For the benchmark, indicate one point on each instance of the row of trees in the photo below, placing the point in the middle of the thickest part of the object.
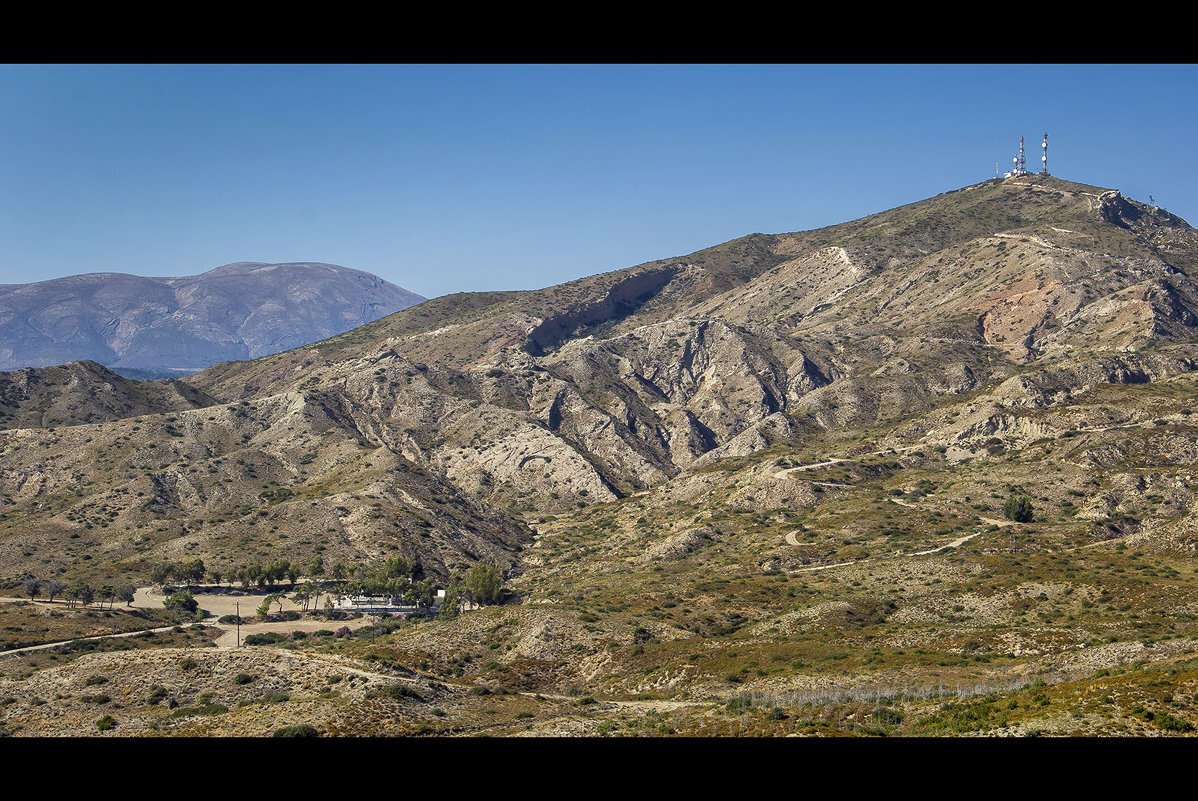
(78, 592)
(193, 572)
(189, 573)
(261, 575)
(396, 577)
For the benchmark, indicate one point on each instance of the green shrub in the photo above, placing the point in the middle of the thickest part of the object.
(182, 601)
(891, 717)
(396, 692)
(1167, 722)
(105, 723)
(202, 709)
(242, 678)
(298, 730)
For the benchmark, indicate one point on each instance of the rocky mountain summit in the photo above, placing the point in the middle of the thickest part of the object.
(239, 311)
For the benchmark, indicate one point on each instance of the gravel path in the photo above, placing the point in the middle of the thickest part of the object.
(220, 604)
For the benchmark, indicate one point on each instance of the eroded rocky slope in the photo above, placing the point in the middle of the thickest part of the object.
(757, 489)
(441, 429)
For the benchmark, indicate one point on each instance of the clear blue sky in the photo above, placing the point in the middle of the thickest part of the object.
(444, 178)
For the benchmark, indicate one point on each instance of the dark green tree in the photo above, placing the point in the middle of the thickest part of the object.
(32, 586)
(82, 592)
(485, 582)
(52, 587)
(449, 609)
(161, 573)
(1018, 508)
(264, 608)
(303, 594)
(181, 601)
(191, 572)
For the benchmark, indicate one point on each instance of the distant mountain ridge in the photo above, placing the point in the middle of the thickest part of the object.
(237, 311)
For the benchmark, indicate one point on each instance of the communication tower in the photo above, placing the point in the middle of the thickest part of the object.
(1020, 163)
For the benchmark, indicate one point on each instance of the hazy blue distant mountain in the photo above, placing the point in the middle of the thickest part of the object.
(239, 311)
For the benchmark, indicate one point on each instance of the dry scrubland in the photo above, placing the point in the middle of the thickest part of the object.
(764, 489)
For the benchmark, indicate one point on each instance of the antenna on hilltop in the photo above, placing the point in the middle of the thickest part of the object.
(1020, 163)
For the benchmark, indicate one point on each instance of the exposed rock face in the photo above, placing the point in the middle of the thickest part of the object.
(239, 311)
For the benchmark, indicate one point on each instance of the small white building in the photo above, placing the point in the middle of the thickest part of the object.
(385, 603)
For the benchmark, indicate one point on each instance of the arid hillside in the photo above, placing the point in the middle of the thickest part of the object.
(927, 472)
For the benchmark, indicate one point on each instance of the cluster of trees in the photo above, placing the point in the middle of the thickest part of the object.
(78, 592)
(34, 586)
(397, 577)
(193, 572)
(261, 575)
(189, 573)
(482, 584)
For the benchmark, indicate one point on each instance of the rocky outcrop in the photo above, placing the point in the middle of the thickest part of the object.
(624, 297)
(86, 392)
